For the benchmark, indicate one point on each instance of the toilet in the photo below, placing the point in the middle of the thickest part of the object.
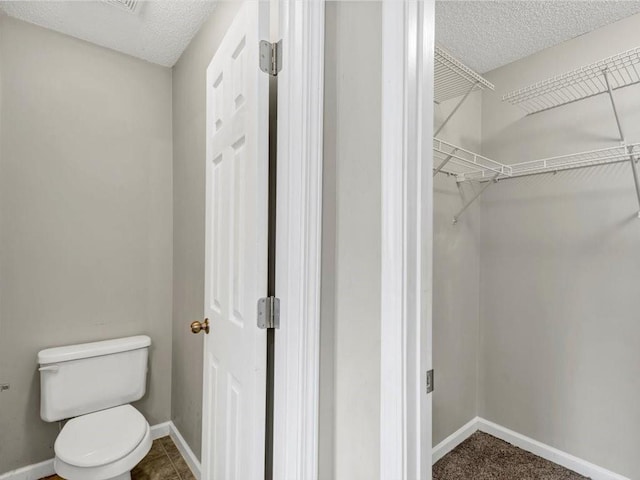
(92, 385)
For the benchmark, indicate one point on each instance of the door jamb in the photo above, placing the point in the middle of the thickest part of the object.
(407, 238)
(298, 238)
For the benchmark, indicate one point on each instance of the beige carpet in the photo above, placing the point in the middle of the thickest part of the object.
(483, 457)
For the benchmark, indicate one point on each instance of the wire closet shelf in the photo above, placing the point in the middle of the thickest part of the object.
(604, 76)
(453, 78)
(466, 165)
(621, 70)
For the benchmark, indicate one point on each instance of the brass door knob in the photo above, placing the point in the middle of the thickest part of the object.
(197, 327)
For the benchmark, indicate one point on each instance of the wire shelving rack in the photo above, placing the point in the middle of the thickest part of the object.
(591, 158)
(464, 164)
(590, 80)
(468, 166)
(453, 78)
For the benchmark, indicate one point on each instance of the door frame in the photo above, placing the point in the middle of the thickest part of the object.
(407, 238)
(298, 238)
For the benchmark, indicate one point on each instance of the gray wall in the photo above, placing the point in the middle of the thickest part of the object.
(456, 281)
(560, 266)
(85, 217)
(189, 121)
(326, 424)
(350, 349)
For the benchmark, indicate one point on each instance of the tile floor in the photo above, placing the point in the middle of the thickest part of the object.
(163, 462)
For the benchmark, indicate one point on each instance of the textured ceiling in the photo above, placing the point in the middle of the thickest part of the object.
(488, 34)
(485, 34)
(158, 31)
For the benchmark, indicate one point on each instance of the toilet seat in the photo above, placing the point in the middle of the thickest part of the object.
(102, 445)
(102, 437)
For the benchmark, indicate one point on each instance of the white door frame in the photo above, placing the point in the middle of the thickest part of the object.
(407, 238)
(298, 239)
(407, 161)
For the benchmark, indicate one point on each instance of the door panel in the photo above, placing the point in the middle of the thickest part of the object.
(236, 252)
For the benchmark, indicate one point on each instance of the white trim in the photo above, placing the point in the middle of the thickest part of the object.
(30, 472)
(298, 242)
(160, 430)
(393, 318)
(185, 451)
(407, 159)
(455, 439)
(45, 469)
(566, 460)
(549, 453)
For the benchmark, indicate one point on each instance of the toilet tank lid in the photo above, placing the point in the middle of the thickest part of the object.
(93, 349)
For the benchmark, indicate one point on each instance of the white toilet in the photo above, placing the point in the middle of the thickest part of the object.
(93, 384)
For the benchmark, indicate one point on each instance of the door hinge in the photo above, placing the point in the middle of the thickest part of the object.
(429, 381)
(271, 57)
(269, 312)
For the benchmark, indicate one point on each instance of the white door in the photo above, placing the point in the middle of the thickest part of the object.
(236, 252)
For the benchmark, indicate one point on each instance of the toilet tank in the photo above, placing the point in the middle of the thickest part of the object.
(80, 379)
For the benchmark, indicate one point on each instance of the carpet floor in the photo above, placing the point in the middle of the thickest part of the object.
(483, 457)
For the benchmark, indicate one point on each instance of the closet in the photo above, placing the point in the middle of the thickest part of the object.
(602, 77)
(537, 259)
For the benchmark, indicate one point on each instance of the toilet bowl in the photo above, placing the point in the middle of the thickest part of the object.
(102, 445)
(92, 385)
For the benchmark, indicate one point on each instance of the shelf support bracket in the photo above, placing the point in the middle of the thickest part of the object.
(635, 179)
(453, 112)
(632, 158)
(493, 180)
(444, 162)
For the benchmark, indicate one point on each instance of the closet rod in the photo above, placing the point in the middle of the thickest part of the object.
(632, 160)
(475, 197)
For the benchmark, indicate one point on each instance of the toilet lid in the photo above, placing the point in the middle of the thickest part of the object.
(102, 437)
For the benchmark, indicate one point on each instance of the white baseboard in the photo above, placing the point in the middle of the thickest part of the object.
(30, 472)
(549, 453)
(594, 472)
(45, 469)
(160, 430)
(455, 439)
(186, 452)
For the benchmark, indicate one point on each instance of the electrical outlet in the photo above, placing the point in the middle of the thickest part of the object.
(4, 386)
